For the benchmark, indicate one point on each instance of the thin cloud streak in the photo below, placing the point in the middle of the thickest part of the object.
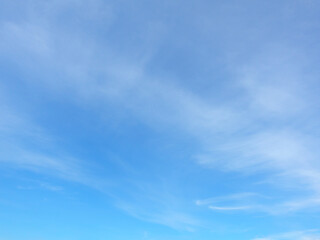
(229, 208)
(296, 235)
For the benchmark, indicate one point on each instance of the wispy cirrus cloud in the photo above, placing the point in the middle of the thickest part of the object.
(247, 201)
(277, 147)
(233, 197)
(296, 235)
(266, 129)
(229, 208)
(26, 146)
(280, 138)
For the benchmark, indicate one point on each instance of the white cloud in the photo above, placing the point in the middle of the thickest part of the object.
(230, 208)
(275, 82)
(228, 198)
(296, 235)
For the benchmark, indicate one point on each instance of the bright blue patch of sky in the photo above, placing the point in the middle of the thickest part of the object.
(159, 120)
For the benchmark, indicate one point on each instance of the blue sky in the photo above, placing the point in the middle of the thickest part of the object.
(159, 120)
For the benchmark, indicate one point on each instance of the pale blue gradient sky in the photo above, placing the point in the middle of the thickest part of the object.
(159, 120)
